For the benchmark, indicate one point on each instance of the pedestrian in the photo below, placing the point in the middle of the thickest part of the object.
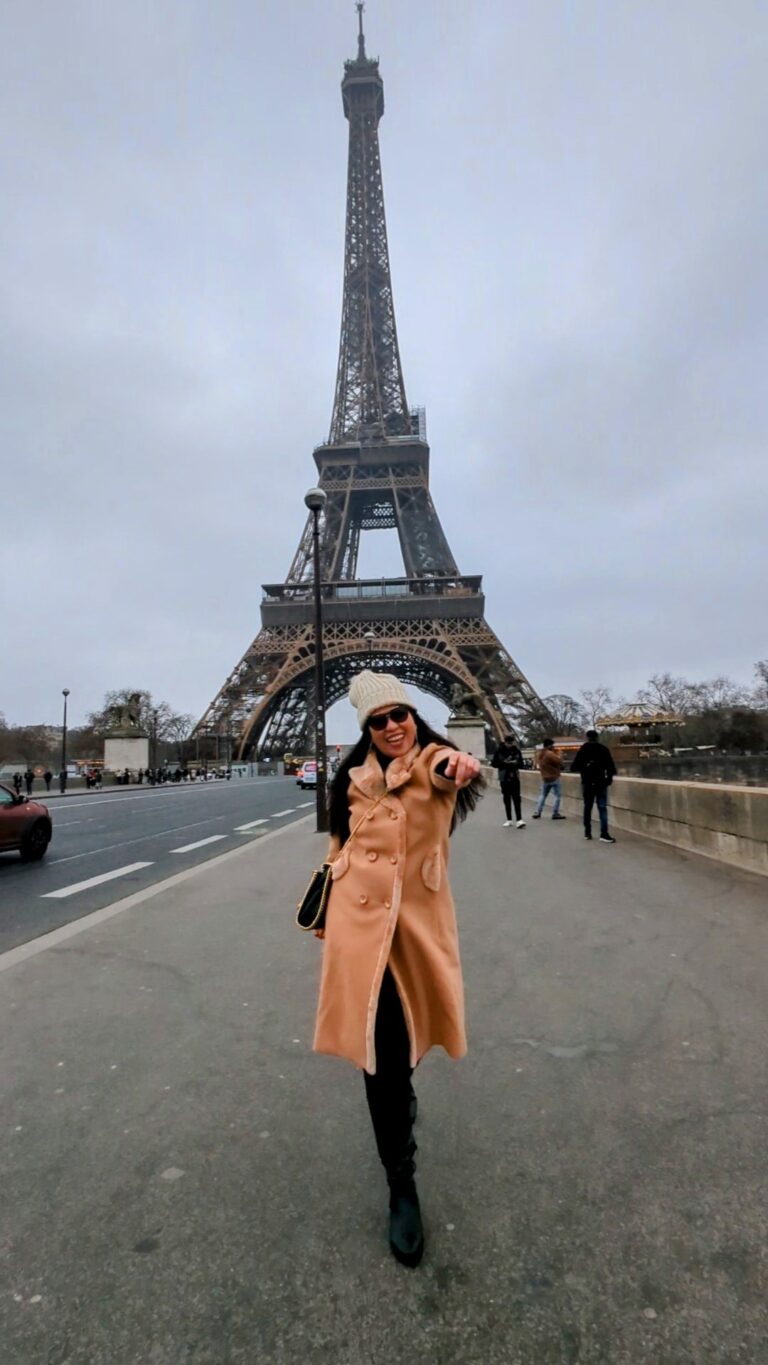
(140, 777)
(594, 762)
(391, 984)
(97, 779)
(47, 778)
(29, 778)
(126, 778)
(63, 781)
(550, 766)
(17, 779)
(508, 760)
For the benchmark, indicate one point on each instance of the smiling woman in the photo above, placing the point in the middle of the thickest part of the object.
(391, 985)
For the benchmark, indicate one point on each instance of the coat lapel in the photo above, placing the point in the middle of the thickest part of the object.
(370, 780)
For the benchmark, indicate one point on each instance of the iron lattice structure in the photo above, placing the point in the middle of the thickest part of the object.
(428, 626)
(370, 393)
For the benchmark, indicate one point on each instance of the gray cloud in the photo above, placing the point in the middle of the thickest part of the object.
(577, 212)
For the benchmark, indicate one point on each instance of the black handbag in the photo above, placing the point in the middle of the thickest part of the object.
(311, 909)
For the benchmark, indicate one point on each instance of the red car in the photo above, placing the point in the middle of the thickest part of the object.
(24, 824)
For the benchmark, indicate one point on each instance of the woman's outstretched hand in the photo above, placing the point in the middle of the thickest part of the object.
(462, 768)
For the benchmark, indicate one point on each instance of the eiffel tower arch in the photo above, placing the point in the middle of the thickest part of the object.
(427, 626)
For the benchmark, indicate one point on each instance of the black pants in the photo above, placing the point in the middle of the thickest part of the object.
(389, 1092)
(510, 792)
(592, 795)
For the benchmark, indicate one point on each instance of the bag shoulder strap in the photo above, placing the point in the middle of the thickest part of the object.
(362, 819)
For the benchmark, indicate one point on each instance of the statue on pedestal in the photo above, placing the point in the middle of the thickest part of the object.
(465, 704)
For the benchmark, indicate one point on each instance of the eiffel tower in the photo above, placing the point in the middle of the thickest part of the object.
(427, 626)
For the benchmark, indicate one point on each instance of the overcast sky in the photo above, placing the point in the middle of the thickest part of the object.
(577, 210)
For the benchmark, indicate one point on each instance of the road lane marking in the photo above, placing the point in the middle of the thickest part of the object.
(141, 839)
(302, 804)
(65, 891)
(241, 829)
(212, 839)
(278, 813)
(12, 957)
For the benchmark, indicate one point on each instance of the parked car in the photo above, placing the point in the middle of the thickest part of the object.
(308, 775)
(24, 824)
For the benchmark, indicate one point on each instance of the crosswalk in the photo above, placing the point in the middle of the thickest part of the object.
(65, 891)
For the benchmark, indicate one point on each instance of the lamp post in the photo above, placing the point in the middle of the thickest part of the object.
(65, 694)
(371, 638)
(315, 500)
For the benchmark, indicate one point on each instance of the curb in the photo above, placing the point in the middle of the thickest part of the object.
(24, 951)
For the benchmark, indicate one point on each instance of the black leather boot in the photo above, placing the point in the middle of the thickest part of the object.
(406, 1233)
(392, 1126)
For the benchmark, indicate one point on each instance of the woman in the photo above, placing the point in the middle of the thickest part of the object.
(391, 985)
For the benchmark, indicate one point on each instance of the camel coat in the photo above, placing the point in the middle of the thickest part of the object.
(391, 905)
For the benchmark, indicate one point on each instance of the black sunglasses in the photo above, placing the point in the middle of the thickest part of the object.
(398, 714)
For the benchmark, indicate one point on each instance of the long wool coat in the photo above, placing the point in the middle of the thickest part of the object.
(391, 905)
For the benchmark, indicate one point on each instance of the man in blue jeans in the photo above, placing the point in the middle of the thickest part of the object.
(550, 765)
(595, 764)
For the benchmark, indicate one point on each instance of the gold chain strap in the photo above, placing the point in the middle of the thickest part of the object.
(361, 821)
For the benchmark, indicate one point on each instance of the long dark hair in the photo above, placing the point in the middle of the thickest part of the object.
(338, 804)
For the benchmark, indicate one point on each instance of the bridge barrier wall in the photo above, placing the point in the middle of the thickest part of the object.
(727, 823)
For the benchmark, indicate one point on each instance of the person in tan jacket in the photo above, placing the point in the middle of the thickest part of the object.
(550, 765)
(391, 984)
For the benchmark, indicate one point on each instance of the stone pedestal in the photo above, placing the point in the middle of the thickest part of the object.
(468, 734)
(126, 751)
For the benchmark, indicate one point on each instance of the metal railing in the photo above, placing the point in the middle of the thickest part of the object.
(367, 588)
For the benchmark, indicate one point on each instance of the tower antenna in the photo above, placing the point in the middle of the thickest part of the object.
(361, 36)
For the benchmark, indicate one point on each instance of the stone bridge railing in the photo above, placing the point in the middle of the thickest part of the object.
(727, 823)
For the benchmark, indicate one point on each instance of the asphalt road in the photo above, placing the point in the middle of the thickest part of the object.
(185, 1183)
(108, 844)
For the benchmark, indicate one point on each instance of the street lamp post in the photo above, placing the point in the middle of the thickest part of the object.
(371, 639)
(315, 500)
(65, 694)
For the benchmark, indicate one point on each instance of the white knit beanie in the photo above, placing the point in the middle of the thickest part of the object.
(369, 691)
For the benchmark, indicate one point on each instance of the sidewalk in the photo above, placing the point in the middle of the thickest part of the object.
(184, 1181)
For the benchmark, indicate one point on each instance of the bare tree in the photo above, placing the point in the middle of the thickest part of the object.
(568, 716)
(760, 694)
(718, 694)
(596, 702)
(177, 731)
(667, 693)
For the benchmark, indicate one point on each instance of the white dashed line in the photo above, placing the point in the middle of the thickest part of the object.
(304, 803)
(241, 829)
(93, 881)
(278, 813)
(212, 839)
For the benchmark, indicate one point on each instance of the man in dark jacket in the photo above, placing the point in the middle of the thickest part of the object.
(594, 762)
(509, 760)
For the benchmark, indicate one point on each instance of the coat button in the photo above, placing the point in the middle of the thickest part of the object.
(369, 816)
(387, 905)
(372, 857)
(363, 900)
(393, 815)
(393, 858)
